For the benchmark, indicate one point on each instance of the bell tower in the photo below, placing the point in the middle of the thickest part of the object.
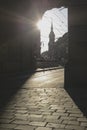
(51, 42)
(51, 35)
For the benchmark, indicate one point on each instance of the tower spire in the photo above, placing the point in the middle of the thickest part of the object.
(51, 35)
(51, 25)
(51, 42)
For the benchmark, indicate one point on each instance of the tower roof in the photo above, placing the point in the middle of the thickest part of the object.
(52, 35)
(51, 26)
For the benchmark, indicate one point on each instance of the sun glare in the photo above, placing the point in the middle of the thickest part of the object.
(39, 24)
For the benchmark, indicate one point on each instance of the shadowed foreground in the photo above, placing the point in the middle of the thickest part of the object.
(39, 102)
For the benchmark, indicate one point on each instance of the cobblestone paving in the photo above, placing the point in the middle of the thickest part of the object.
(42, 104)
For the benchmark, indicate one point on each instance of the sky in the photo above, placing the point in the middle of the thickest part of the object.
(59, 18)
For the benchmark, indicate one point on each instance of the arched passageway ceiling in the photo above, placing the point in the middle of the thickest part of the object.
(43, 5)
(40, 6)
(27, 7)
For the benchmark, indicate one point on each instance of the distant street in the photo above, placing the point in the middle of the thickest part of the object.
(46, 79)
(40, 103)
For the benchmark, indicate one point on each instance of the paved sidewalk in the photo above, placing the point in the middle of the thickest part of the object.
(47, 69)
(42, 104)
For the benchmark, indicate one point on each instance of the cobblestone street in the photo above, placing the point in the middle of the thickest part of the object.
(42, 103)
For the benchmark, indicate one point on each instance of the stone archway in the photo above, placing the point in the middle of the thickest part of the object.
(18, 36)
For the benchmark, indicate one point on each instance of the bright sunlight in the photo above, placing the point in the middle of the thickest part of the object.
(39, 24)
